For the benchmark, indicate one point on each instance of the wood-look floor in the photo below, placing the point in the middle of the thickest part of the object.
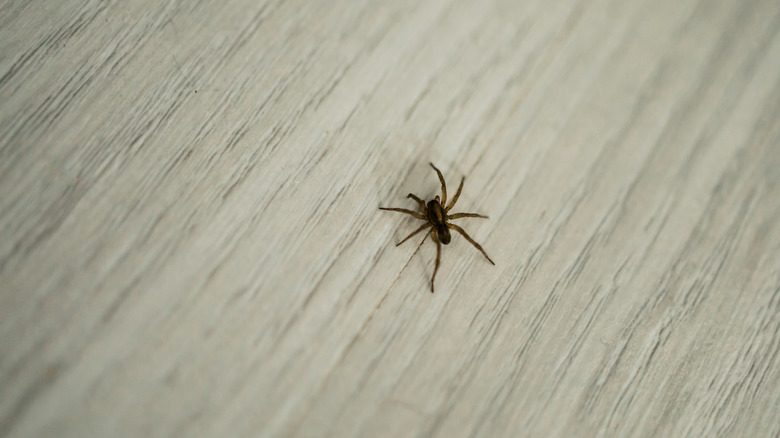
(190, 240)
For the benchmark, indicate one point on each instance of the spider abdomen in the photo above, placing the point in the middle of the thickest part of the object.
(443, 234)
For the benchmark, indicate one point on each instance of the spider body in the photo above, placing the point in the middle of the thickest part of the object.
(437, 219)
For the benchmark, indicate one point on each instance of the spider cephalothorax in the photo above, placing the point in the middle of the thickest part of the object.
(436, 217)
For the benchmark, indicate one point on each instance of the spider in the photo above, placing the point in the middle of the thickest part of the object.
(436, 217)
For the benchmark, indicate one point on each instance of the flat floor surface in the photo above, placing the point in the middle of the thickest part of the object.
(191, 245)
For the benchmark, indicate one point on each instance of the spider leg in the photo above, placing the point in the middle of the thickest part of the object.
(424, 226)
(438, 258)
(457, 195)
(403, 210)
(460, 230)
(460, 215)
(423, 210)
(443, 185)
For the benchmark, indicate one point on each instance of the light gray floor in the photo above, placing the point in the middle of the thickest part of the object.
(191, 244)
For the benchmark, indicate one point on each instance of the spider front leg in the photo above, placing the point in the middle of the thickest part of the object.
(460, 215)
(443, 185)
(457, 195)
(423, 210)
(403, 210)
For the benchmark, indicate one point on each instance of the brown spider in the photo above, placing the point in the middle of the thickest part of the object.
(435, 216)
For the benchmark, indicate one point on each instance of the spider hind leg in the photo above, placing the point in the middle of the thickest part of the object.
(422, 227)
(471, 241)
(438, 257)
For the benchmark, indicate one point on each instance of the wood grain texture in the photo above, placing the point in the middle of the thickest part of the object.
(191, 244)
